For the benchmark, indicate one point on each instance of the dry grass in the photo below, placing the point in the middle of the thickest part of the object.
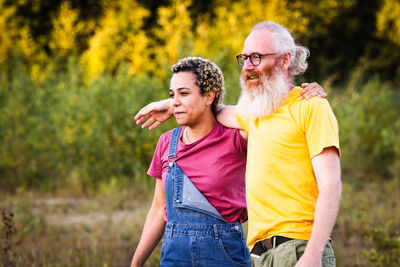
(103, 230)
(81, 231)
(364, 206)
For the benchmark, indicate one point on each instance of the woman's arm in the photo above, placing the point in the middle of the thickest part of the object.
(153, 228)
(312, 89)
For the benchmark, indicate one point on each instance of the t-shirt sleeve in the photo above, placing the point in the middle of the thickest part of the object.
(244, 123)
(240, 143)
(321, 127)
(155, 169)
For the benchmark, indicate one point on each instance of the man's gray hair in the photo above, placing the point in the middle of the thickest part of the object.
(284, 42)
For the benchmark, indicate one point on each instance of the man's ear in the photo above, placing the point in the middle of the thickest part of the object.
(286, 59)
(210, 95)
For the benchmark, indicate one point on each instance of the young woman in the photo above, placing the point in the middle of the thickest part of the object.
(199, 199)
(200, 169)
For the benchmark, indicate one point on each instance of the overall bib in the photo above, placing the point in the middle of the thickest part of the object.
(195, 233)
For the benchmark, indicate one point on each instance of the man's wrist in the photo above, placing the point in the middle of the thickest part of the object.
(314, 251)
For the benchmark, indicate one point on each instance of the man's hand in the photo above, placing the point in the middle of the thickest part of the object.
(309, 261)
(156, 113)
(312, 89)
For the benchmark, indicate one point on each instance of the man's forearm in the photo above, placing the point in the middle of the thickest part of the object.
(326, 210)
(326, 167)
(226, 116)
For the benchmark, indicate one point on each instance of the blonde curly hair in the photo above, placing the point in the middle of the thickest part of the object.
(208, 77)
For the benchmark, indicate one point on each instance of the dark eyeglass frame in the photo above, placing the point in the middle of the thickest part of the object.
(252, 56)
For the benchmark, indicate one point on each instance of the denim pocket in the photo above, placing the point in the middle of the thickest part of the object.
(166, 241)
(234, 248)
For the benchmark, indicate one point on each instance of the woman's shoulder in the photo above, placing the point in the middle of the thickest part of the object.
(234, 137)
(166, 137)
(226, 130)
(166, 134)
(163, 142)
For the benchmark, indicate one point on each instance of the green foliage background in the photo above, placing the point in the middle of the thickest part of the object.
(74, 73)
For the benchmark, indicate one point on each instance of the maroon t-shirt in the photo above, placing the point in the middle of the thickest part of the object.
(216, 164)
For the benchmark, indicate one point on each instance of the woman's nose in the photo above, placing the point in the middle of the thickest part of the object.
(176, 101)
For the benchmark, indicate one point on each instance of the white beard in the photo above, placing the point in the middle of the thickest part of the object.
(263, 99)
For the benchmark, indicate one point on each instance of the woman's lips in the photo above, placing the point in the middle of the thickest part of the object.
(178, 113)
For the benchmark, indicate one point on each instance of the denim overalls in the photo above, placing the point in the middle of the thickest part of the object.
(196, 234)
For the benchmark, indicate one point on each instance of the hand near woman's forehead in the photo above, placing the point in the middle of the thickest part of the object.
(155, 113)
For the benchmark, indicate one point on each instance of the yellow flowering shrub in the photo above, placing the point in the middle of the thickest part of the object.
(388, 21)
(118, 38)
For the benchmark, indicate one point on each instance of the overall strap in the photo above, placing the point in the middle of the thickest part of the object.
(173, 145)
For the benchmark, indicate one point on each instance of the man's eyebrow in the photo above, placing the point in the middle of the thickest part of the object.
(254, 52)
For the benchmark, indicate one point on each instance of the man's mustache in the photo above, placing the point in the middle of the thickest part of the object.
(246, 73)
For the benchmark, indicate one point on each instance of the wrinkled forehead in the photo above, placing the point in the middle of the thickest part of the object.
(260, 41)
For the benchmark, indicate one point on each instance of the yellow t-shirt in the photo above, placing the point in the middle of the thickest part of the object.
(281, 189)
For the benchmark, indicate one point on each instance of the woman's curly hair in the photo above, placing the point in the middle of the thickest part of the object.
(208, 77)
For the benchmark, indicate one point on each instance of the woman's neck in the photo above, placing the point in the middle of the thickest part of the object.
(195, 132)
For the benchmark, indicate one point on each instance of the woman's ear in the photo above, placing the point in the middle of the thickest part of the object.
(210, 95)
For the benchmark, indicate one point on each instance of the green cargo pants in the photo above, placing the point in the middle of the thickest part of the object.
(288, 253)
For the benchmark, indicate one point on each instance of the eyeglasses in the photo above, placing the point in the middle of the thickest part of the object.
(255, 58)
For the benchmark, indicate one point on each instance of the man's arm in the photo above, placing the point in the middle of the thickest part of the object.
(327, 172)
(157, 112)
(153, 228)
(226, 116)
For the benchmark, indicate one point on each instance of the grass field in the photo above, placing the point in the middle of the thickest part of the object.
(104, 229)
(99, 230)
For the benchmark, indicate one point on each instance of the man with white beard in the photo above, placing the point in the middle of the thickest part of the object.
(293, 182)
